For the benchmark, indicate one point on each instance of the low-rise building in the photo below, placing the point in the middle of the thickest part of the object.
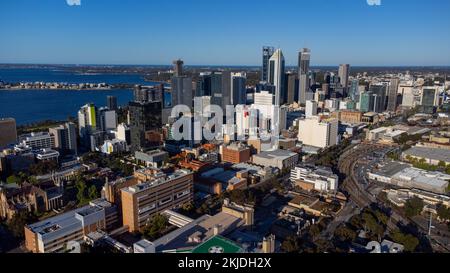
(153, 158)
(280, 159)
(235, 153)
(55, 233)
(405, 176)
(431, 156)
(314, 178)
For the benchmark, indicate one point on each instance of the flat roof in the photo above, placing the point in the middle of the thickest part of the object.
(431, 153)
(276, 154)
(390, 168)
(157, 181)
(433, 179)
(218, 244)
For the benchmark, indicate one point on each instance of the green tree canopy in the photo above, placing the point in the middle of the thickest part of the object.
(414, 206)
(155, 227)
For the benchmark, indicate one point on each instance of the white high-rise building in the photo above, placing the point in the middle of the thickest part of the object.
(311, 108)
(276, 74)
(87, 119)
(263, 98)
(318, 133)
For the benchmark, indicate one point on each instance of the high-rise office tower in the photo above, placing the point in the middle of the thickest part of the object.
(87, 120)
(366, 103)
(292, 88)
(392, 94)
(304, 58)
(354, 90)
(178, 68)
(182, 91)
(430, 96)
(379, 92)
(266, 54)
(311, 108)
(344, 70)
(65, 137)
(111, 102)
(144, 117)
(238, 88)
(8, 131)
(203, 87)
(221, 89)
(108, 119)
(276, 74)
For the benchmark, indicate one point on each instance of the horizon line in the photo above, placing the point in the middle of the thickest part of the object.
(215, 65)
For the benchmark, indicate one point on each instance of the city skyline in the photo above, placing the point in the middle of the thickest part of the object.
(336, 32)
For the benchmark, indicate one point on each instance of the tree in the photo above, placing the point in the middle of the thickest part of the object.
(442, 164)
(43, 167)
(18, 221)
(407, 240)
(13, 179)
(345, 233)
(155, 227)
(443, 212)
(81, 191)
(290, 245)
(414, 206)
(92, 192)
(314, 231)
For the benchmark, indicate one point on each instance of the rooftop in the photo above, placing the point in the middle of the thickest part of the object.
(280, 154)
(433, 179)
(217, 244)
(431, 153)
(159, 179)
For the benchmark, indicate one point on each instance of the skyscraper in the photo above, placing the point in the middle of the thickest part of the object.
(178, 68)
(267, 53)
(221, 89)
(144, 117)
(344, 70)
(354, 90)
(65, 137)
(238, 88)
(430, 96)
(292, 88)
(87, 119)
(203, 87)
(8, 131)
(379, 92)
(304, 58)
(311, 108)
(276, 74)
(108, 119)
(182, 91)
(392, 94)
(111, 102)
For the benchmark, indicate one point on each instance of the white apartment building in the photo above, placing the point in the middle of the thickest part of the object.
(318, 133)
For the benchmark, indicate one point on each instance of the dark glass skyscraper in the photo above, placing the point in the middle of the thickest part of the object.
(111, 102)
(266, 54)
(304, 58)
(392, 94)
(178, 68)
(144, 117)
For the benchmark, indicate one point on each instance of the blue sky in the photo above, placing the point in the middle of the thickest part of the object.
(228, 32)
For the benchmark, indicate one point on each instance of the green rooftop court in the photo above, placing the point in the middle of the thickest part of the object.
(217, 244)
